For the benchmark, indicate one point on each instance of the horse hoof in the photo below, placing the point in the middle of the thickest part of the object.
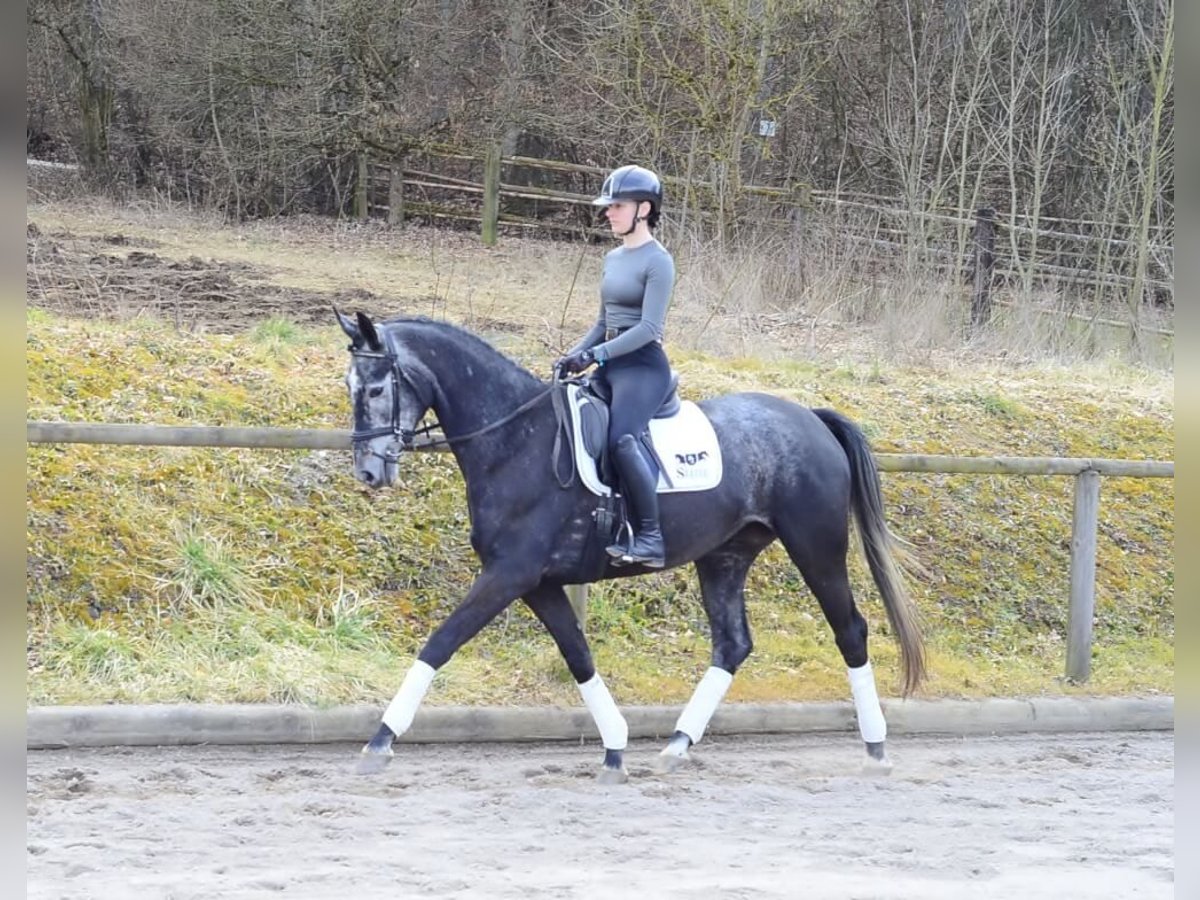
(873, 766)
(372, 762)
(612, 776)
(670, 762)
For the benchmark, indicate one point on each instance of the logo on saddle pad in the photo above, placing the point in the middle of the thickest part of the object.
(684, 442)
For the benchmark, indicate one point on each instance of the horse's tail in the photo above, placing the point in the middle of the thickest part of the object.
(880, 546)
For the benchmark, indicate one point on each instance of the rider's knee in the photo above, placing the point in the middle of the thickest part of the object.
(622, 441)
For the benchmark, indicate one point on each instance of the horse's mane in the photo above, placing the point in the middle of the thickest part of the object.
(471, 342)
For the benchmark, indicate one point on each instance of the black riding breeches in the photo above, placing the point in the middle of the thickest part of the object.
(639, 382)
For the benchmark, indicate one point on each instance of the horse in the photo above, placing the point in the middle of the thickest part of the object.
(791, 473)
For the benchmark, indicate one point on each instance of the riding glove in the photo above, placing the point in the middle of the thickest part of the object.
(575, 362)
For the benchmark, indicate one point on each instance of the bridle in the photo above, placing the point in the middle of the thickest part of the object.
(406, 437)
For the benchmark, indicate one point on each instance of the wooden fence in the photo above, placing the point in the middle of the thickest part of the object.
(407, 186)
(1084, 529)
(981, 246)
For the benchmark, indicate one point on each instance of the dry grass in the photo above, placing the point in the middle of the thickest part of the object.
(164, 574)
(815, 293)
(523, 284)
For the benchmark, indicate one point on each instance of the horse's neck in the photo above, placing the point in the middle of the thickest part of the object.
(485, 393)
(476, 386)
(473, 407)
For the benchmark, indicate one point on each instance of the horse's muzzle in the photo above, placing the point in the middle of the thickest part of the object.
(376, 477)
(381, 479)
(376, 470)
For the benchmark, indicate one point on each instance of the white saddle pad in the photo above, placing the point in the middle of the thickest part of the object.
(686, 444)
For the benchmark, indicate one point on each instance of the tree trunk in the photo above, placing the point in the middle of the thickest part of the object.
(362, 206)
(396, 193)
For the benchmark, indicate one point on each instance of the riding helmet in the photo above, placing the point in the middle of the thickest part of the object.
(631, 183)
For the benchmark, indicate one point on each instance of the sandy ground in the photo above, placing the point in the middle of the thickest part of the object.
(1035, 816)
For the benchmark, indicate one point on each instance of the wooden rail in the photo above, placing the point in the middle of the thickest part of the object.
(1084, 529)
(990, 257)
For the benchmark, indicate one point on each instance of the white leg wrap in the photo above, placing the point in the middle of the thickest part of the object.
(399, 714)
(866, 704)
(614, 730)
(705, 700)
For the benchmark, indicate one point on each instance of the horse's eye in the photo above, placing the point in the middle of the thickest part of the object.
(375, 392)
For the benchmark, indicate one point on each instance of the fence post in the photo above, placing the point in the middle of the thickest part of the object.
(577, 594)
(985, 260)
(800, 197)
(1083, 575)
(491, 194)
(396, 193)
(361, 186)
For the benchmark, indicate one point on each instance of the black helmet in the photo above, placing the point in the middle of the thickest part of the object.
(631, 183)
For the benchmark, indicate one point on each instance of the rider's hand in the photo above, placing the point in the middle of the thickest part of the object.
(574, 362)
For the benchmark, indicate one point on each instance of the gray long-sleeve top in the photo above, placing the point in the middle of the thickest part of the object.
(635, 290)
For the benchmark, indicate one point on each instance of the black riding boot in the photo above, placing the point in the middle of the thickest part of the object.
(638, 485)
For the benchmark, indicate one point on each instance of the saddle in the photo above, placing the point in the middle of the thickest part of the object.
(592, 403)
(680, 439)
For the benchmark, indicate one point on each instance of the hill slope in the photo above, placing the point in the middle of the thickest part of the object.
(159, 574)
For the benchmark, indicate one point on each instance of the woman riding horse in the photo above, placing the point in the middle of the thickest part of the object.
(626, 344)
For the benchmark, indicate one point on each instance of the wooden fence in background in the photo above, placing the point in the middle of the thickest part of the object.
(1084, 529)
(981, 246)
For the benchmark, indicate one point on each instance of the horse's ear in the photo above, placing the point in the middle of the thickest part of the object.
(369, 334)
(350, 327)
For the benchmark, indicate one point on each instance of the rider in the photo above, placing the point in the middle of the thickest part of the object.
(626, 342)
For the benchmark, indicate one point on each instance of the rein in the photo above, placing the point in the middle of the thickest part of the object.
(479, 432)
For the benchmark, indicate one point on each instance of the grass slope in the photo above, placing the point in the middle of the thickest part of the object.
(162, 574)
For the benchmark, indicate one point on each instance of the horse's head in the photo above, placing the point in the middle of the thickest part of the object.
(386, 401)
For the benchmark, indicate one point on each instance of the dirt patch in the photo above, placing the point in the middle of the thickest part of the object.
(116, 277)
(112, 275)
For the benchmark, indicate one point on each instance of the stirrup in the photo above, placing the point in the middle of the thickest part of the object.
(650, 562)
(628, 557)
(619, 549)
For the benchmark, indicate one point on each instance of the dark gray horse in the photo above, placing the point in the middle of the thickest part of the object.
(790, 473)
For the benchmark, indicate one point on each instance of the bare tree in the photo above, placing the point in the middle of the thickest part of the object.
(682, 84)
(1045, 109)
(1148, 123)
(82, 29)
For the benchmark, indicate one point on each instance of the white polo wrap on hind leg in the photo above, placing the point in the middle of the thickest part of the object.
(399, 714)
(866, 704)
(614, 730)
(705, 700)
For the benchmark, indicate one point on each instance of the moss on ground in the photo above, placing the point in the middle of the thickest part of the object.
(159, 574)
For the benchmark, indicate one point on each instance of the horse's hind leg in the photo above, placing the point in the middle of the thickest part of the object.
(722, 584)
(820, 555)
(549, 603)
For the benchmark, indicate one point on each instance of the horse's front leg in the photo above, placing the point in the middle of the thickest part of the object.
(492, 591)
(549, 603)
